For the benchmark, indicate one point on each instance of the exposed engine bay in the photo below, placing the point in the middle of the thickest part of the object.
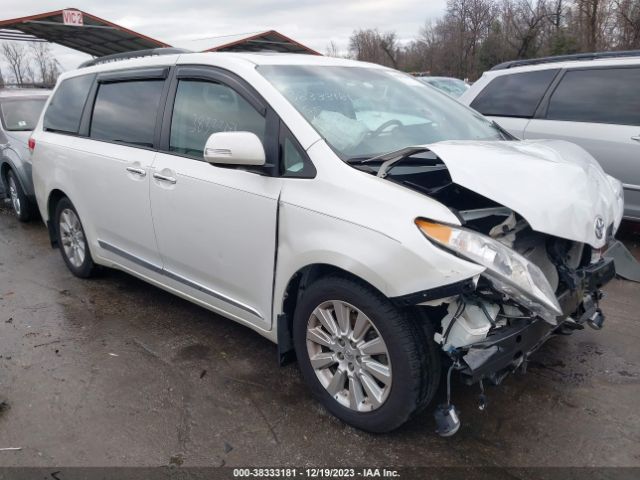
(540, 241)
(473, 317)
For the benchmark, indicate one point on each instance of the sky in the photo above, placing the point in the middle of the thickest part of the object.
(188, 23)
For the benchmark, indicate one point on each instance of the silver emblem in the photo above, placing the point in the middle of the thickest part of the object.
(599, 227)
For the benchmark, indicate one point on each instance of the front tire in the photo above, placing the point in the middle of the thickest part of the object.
(366, 361)
(19, 202)
(72, 240)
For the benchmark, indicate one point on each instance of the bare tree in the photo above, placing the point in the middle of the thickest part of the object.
(524, 20)
(627, 13)
(332, 50)
(594, 23)
(47, 67)
(15, 55)
(41, 53)
(474, 35)
(462, 30)
(372, 46)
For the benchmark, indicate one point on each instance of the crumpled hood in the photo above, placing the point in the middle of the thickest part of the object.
(556, 186)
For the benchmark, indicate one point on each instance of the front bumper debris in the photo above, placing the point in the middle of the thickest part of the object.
(510, 347)
(585, 281)
(503, 352)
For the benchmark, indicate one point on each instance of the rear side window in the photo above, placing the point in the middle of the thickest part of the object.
(202, 108)
(515, 95)
(65, 109)
(21, 114)
(598, 96)
(126, 112)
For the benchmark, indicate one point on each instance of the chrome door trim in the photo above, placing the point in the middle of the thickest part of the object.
(632, 187)
(213, 293)
(132, 258)
(178, 278)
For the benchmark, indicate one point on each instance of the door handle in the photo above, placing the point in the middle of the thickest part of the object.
(164, 178)
(137, 171)
(636, 138)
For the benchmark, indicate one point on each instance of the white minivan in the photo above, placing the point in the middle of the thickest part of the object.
(368, 224)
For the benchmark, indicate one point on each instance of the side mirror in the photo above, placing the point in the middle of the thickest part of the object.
(234, 148)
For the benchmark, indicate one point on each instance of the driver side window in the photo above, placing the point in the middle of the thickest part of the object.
(202, 108)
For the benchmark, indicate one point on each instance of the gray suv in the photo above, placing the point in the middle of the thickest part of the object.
(19, 113)
(592, 100)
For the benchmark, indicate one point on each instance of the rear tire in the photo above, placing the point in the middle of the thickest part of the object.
(72, 241)
(333, 364)
(20, 204)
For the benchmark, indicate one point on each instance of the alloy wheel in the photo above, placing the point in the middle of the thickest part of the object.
(15, 198)
(349, 356)
(73, 241)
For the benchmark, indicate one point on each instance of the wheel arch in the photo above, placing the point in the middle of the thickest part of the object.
(6, 164)
(294, 290)
(52, 202)
(4, 170)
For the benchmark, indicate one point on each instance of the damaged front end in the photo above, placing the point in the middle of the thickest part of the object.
(542, 254)
(534, 285)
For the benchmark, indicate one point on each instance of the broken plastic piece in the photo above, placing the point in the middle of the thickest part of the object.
(447, 420)
(446, 415)
(626, 265)
(482, 400)
(596, 321)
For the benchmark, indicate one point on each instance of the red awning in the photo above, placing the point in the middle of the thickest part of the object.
(79, 30)
(270, 40)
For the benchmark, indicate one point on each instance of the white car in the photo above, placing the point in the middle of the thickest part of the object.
(345, 211)
(590, 99)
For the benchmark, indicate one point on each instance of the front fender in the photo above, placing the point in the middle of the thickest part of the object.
(395, 268)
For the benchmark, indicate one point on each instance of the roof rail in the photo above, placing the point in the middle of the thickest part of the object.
(567, 58)
(152, 52)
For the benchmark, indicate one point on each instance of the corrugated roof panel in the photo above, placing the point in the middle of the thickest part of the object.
(95, 36)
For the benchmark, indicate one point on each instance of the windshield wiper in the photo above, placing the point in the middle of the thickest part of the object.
(388, 159)
(357, 160)
(505, 134)
(401, 153)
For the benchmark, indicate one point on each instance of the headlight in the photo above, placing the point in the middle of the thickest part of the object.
(507, 270)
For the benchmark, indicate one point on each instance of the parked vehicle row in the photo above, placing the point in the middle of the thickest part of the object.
(374, 228)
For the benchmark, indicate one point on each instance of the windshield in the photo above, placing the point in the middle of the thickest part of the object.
(364, 112)
(21, 114)
(452, 86)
